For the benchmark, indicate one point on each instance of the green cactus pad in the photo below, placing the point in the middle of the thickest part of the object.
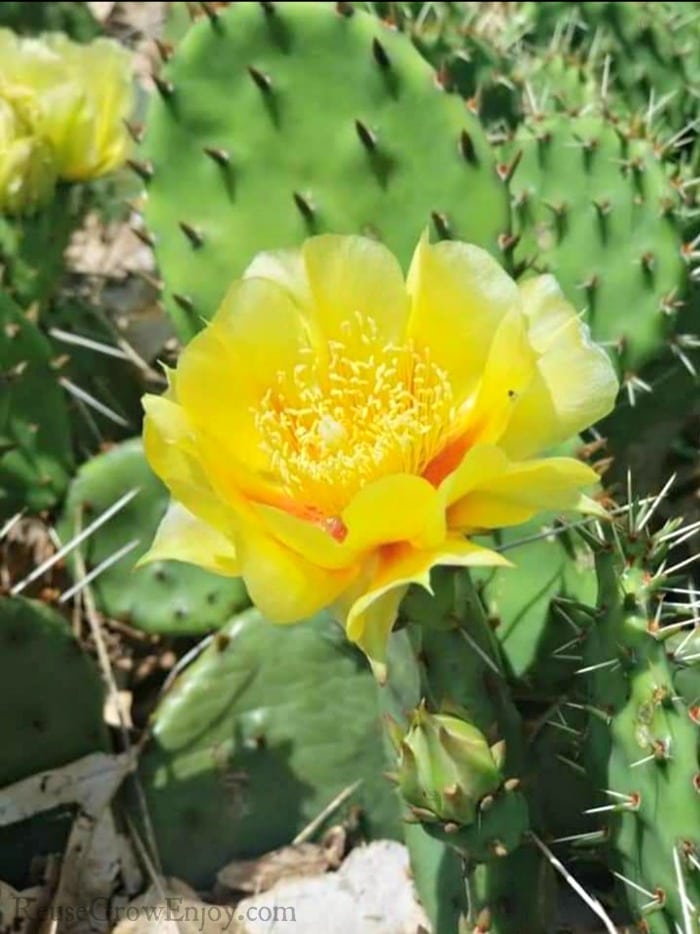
(52, 697)
(32, 247)
(528, 602)
(597, 209)
(651, 47)
(51, 692)
(35, 452)
(34, 16)
(488, 895)
(641, 744)
(112, 382)
(256, 738)
(498, 833)
(165, 596)
(275, 121)
(533, 607)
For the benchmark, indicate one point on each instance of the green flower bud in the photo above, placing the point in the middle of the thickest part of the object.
(447, 770)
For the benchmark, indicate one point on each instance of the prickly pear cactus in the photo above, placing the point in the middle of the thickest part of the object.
(527, 604)
(164, 596)
(533, 607)
(52, 694)
(683, 649)
(52, 698)
(438, 877)
(35, 452)
(641, 741)
(651, 48)
(597, 208)
(489, 899)
(293, 119)
(34, 17)
(462, 676)
(256, 738)
(114, 385)
(32, 247)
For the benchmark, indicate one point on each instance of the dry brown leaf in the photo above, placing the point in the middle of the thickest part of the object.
(90, 782)
(259, 875)
(294, 861)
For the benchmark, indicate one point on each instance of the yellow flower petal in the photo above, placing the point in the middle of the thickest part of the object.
(181, 536)
(377, 621)
(27, 168)
(287, 269)
(373, 614)
(459, 296)
(83, 95)
(575, 383)
(85, 118)
(508, 373)
(283, 585)
(307, 538)
(228, 367)
(177, 454)
(397, 508)
(169, 448)
(351, 277)
(520, 492)
(376, 516)
(481, 464)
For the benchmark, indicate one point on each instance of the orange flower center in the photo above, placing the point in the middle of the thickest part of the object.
(361, 411)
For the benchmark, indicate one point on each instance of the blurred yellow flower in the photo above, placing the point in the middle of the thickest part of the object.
(336, 432)
(27, 171)
(82, 96)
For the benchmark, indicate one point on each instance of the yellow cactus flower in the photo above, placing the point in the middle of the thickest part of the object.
(336, 431)
(83, 96)
(27, 171)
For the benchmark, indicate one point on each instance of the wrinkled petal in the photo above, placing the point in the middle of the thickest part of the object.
(459, 295)
(351, 276)
(181, 536)
(520, 492)
(373, 614)
(575, 385)
(283, 585)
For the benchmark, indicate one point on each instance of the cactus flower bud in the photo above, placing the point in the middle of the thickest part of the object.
(447, 770)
